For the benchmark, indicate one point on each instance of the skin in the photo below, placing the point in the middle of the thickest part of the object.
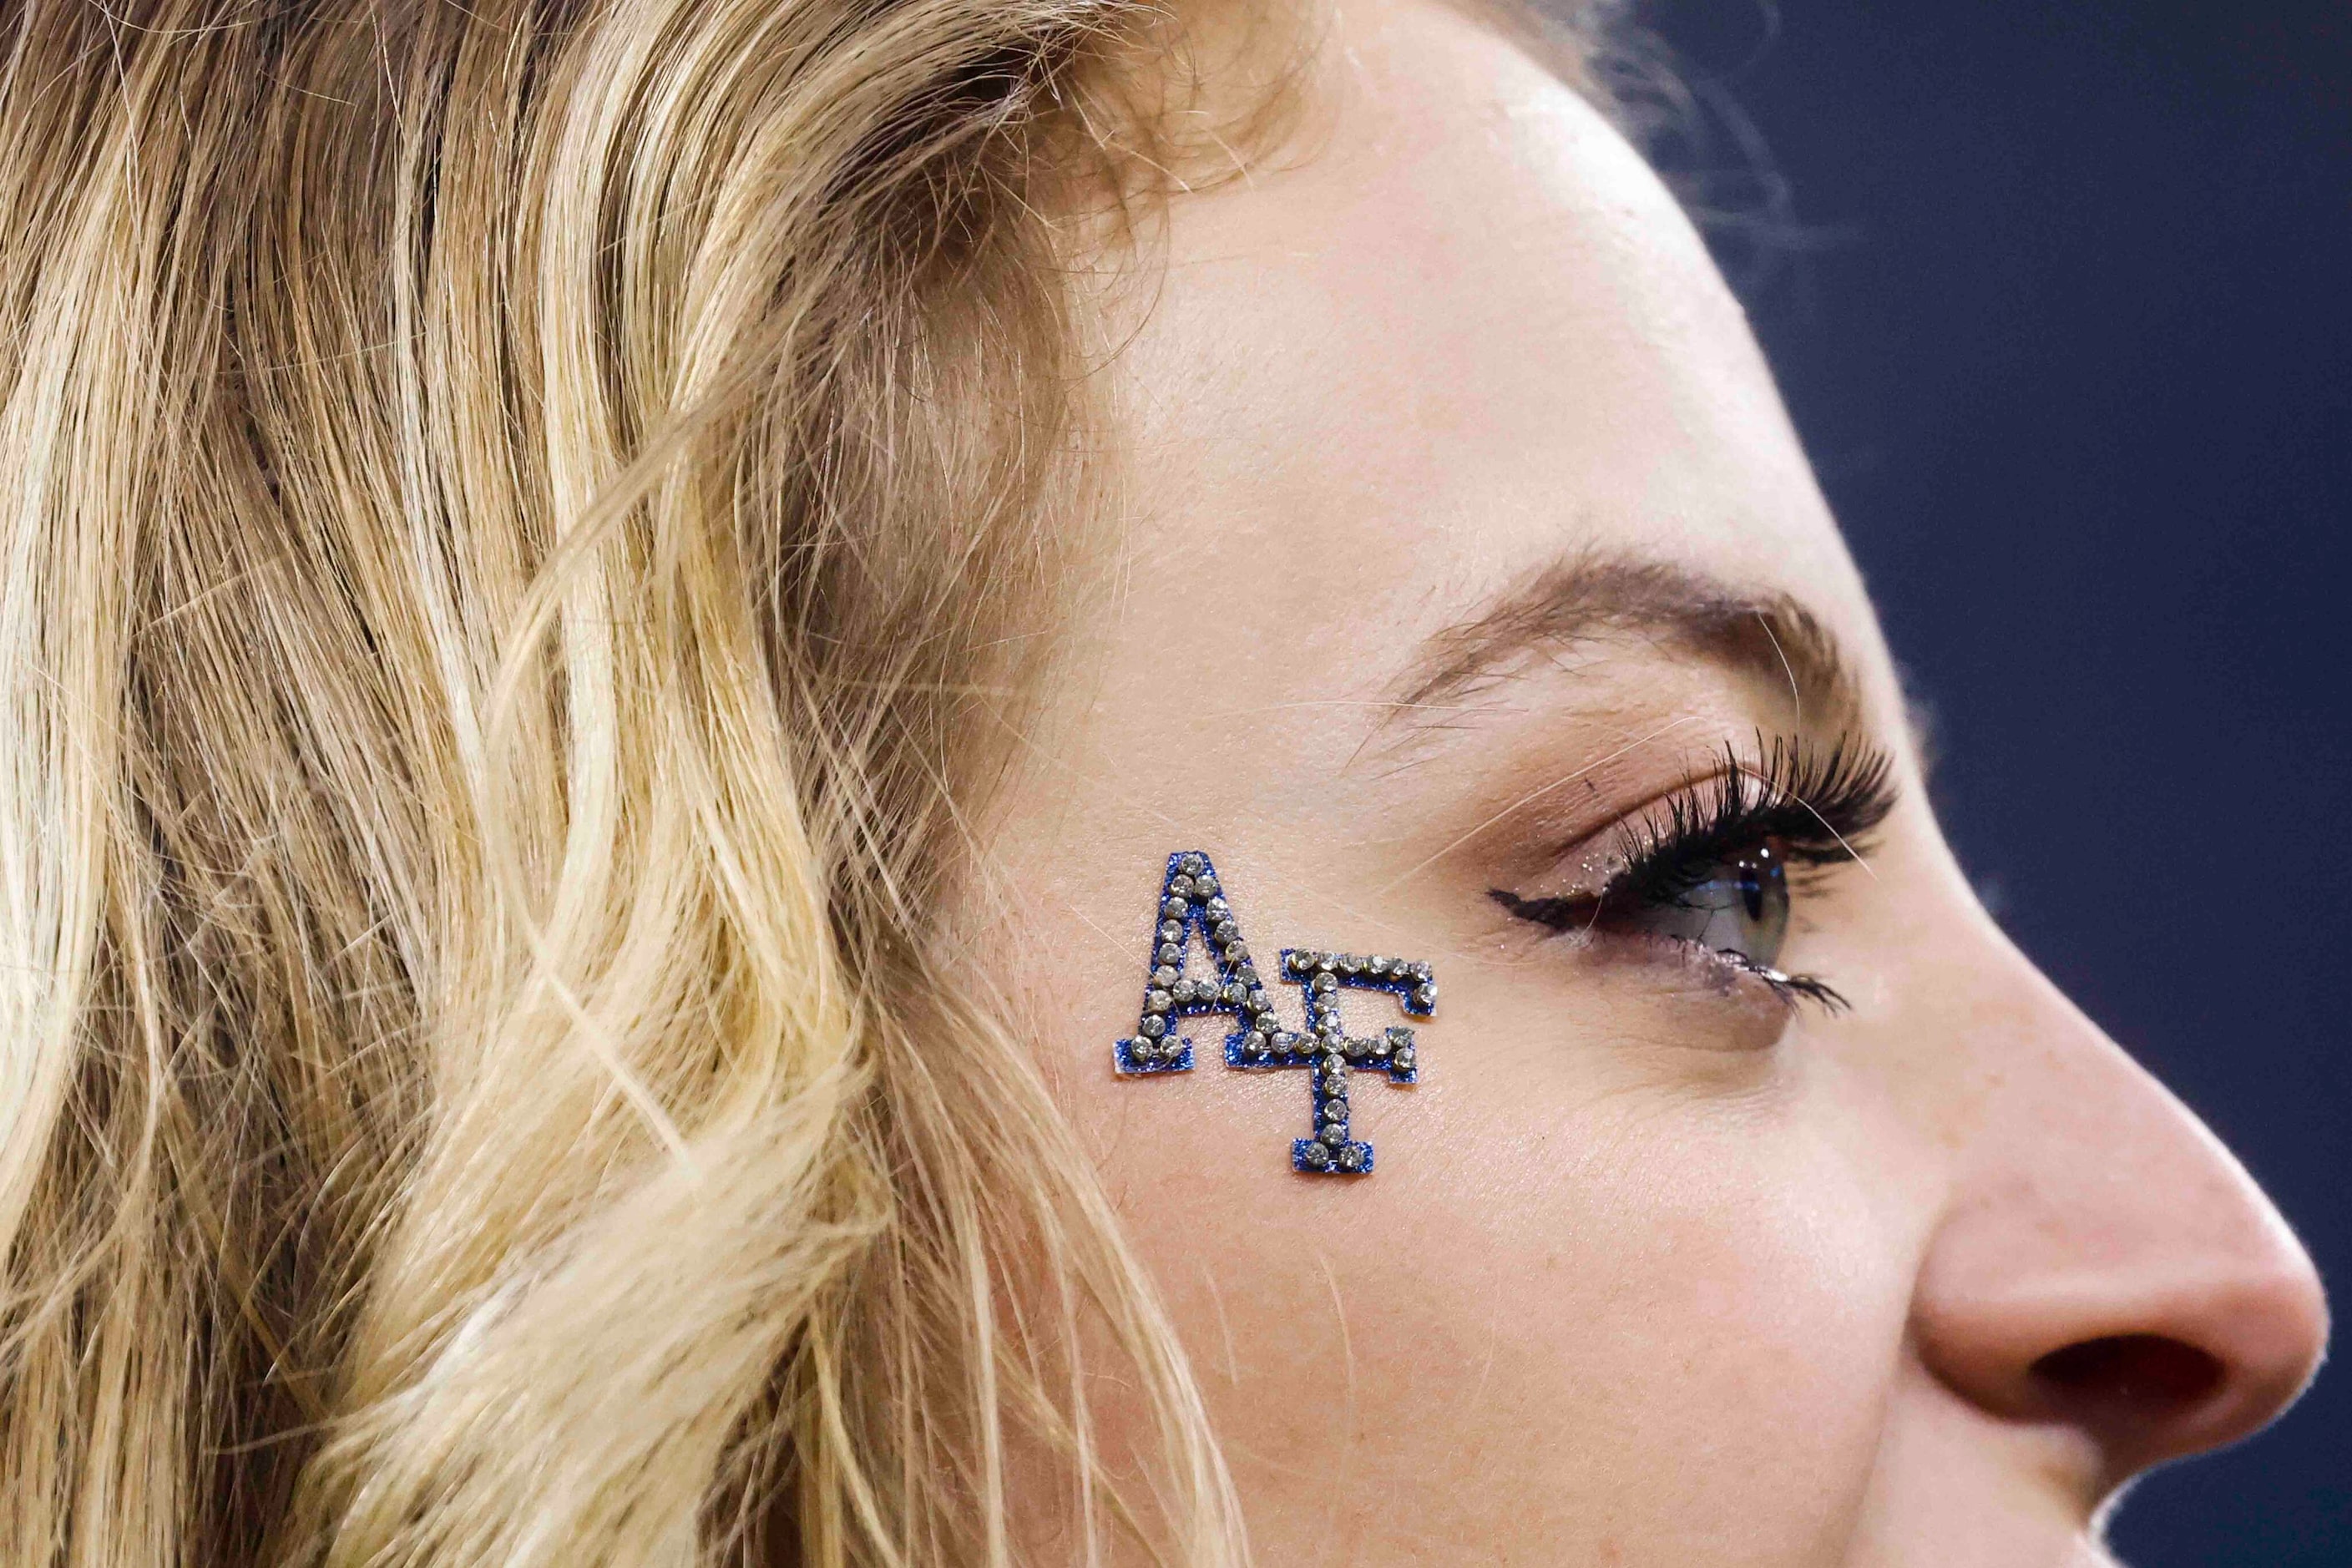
(1654, 1269)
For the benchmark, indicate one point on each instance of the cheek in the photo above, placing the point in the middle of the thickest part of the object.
(1661, 1325)
(1617, 1293)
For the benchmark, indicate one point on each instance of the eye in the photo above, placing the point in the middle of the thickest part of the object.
(1706, 868)
(1735, 903)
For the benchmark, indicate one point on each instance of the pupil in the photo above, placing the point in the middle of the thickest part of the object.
(1763, 889)
(1760, 878)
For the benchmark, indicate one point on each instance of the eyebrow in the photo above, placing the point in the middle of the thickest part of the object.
(1768, 636)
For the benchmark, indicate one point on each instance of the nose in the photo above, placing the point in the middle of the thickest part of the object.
(2104, 1262)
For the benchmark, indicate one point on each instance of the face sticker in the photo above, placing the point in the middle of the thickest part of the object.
(1193, 899)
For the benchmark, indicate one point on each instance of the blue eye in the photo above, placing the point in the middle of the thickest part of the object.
(1706, 868)
(1735, 903)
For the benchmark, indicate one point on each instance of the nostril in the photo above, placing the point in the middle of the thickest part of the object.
(2133, 1377)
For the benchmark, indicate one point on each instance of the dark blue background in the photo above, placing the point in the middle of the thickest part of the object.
(2060, 293)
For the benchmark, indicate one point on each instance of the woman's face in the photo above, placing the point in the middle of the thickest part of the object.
(1477, 607)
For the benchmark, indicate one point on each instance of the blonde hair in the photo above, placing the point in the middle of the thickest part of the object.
(526, 525)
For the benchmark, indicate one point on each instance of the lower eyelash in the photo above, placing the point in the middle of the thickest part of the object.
(1794, 989)
(1580, 917)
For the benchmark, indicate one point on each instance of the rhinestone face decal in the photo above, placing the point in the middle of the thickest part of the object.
(1192, 898)
(1337, 1057)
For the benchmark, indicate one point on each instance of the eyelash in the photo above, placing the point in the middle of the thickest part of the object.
(1818, 808)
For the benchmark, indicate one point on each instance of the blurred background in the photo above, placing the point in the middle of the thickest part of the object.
(2060, 294)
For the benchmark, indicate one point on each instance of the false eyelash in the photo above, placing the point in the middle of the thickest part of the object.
(1820, 807)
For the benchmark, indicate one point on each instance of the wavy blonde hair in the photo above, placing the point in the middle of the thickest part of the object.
(527, 524)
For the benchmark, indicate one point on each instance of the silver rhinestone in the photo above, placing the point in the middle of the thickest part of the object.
(1259, 1001)
(1236, 995)
(1156, 1000)
(1217, 908)
(1418, 971)
(1152, 1027)
(1172, 931)
(1204, 885)
(1351, 1158)
(1191, 864)
(1170, 953)
(1174, 909)
(1327, 983)
(1227, 931)
(1334, 1059)
(1404, 1059)
(1237, 952)
(1260, 1043)
(1180, 887)
(1335, 1134)
(1298, 962)
(1326, 961)
(1425, 996)
(1316, 1156)
(1378, 965)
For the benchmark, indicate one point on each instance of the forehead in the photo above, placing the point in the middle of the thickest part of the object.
(1458, 328)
